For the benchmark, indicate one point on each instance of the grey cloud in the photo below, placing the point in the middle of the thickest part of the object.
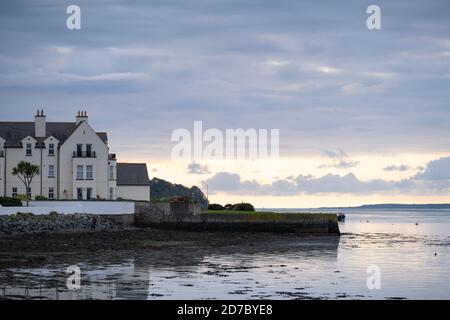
(435, 179)
(436, 170)
(197, 168)
(339, 160)
(400, 167)
(339, 154)
(171, 62)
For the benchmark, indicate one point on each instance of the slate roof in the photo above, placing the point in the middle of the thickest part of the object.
(14, 132)
(132, 174)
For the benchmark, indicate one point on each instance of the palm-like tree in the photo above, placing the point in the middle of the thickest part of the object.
(26, 171)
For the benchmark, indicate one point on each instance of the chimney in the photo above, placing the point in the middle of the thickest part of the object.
(81, 116)
(39, 125)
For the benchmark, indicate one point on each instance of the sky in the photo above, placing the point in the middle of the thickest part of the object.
(363, 114)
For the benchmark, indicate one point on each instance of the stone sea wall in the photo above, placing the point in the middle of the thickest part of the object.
(175, 215)
(29, 223)
(191, 218)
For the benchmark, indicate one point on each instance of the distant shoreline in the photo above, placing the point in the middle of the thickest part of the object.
(385, 206)
(395, 206)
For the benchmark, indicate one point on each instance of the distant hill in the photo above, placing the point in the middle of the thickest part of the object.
(160, 188)
(393, 206)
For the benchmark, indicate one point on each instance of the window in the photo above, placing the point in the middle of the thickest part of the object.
(79, 194)
(79, 150)
(111, 172)
(51, 193)
(89, 194)
(51, 171)
(111, 193)
(28, 149)
(88, 150)
(89, 172)
(80, 175)
(14, 192)
(29, 192)
(51, 149)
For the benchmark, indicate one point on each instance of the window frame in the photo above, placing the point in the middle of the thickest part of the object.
(28, 149)
(79, 151)
(89, 152)
(111, 173)
(51, 149)
(78, 194)
(80, 173)
(51, 193)
(89, 193)
(89, 172)
(51, 173)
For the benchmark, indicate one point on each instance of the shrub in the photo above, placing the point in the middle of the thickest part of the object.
(24, 215)
(243, 207)
(10, 202)
(40, 198)
(215, 206)
(22, 197)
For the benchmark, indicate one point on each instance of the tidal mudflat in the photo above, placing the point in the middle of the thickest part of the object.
(411, 249)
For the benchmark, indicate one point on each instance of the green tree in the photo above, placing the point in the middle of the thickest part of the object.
(26, 171)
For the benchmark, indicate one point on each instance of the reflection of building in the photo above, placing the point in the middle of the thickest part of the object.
(73, 158)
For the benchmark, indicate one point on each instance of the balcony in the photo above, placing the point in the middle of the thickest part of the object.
(84, 154)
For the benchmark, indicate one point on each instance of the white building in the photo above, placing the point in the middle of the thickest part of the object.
(73, 158)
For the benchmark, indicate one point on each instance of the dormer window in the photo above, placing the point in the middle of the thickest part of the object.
(51, 149)
(28, 149)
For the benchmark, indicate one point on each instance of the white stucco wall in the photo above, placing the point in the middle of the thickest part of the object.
(47, 160)
(14, 156)
(71, 207)
(2, 167)
(84, 134)
(138, 193)
(64, 182)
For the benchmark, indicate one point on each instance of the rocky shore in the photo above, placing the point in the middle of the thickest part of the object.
(24, 223)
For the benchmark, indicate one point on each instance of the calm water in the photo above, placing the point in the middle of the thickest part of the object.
(410, 248)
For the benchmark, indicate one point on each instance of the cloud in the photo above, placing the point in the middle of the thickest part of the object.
(231, 182)
(335, 154)
(276, 65)
(339, 159)
(341, 164)
(436, 170)
(196, 168)
(434, 179)
(401, 167)
(107, 76)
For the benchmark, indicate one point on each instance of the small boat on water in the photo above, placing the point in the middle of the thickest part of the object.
(341, 217)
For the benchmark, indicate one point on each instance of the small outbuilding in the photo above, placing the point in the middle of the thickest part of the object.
(133, 182)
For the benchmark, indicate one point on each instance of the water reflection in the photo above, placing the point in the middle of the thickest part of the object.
(171, 273)
(411, 249)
